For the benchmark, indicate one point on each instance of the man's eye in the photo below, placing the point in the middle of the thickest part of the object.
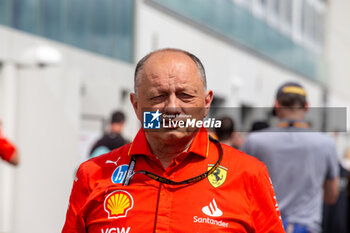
(185, 96)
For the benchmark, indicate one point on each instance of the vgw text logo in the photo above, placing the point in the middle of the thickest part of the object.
(151, 120)
(115, 230)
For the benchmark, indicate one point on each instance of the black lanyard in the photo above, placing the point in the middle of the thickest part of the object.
(130, 173)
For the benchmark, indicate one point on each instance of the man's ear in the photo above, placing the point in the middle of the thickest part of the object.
(275, 108)
(208, 99)
(307, 106)
(134, 102)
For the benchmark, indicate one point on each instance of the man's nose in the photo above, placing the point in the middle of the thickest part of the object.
(172, 105)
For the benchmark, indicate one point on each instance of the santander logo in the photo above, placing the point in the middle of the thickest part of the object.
(212, 210)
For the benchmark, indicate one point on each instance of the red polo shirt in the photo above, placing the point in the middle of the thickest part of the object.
(237, 197)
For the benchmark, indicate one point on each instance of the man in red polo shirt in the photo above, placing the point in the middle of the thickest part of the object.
(172, 178)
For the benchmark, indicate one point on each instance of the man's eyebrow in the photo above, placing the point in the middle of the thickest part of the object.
(155, 91)
(187, 87)
(153, 75)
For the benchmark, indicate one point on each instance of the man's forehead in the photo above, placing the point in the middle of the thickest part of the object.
(169, 58)
(169, 63)
(171, 67)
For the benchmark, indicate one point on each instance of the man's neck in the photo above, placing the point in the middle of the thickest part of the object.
(292, 118)
(292, 114)
(167, 152)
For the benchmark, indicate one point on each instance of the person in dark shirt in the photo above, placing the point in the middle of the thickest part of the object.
(259, 125)
(113, 139)
(335, 217)
(226, 133)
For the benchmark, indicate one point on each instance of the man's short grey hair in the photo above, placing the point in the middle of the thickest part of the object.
(195, 59)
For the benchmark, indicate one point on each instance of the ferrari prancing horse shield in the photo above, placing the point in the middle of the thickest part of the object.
(218, 177)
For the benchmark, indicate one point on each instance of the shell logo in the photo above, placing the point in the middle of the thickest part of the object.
(118, 203)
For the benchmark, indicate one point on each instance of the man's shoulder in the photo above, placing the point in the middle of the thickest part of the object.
(316, 139)
(262, 135)
(240, 160)
(274, 132)
(323, 138)
(262, 138)
(243, 168)
(117, 156)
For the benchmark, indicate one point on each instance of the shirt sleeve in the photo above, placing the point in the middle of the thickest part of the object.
(80, 193)
(265, 213)
(6, 149)
(332, 166)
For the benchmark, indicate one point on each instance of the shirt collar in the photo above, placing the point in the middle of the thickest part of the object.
(199, 145)
(285, 123)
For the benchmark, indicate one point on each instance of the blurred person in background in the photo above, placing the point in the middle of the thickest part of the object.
(259, 125)
(345, 160)
(8, 151)
(175, 179)
(113, 139)
(302, 164)
(336, 216)
(226, 133)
